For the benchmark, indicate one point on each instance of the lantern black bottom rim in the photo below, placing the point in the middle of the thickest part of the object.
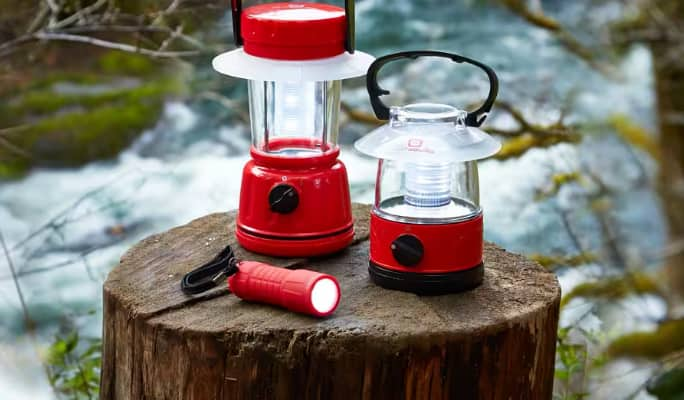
(427, 284)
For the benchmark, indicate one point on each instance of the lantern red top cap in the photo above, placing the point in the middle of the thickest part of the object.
(294, 31)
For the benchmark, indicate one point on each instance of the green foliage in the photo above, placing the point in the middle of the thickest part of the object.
(519, 145)
(615, 288)
(73, 366)
(557, 182)
(574, 363)
(669, 385)
(666, 339)
(15, 170)
(554, 261)
(68, 129)
(635, 135)
(76, 138)
(40, 102)
(571, 366)
(116, 62)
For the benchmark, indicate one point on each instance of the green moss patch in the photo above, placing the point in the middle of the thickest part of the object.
(40, 102)
(615, 288)
(667, 339)
(59, 128)
(116, 62)
(76, 138)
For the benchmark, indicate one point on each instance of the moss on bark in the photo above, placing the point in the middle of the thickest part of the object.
(668, 338)
(58, 128)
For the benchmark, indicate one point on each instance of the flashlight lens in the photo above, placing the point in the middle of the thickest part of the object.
(325, 295)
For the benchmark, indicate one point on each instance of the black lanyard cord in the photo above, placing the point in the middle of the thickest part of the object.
(210, 275)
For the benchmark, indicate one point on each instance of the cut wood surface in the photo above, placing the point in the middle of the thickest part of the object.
(495, 342)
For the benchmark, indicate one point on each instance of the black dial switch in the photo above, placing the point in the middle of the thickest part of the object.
(283, 199)
(407, 250)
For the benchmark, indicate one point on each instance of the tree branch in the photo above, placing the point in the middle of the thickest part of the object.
(534, 17)
(359, 115)
(113, 45)
(12, 148)
(227, 103)
(526, 136)
(170, 9)
(102, 16)
(79, 15)
(541, 20)
(27, 318)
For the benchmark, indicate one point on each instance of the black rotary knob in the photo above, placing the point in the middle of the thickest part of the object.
(407, 250)
(283, 199)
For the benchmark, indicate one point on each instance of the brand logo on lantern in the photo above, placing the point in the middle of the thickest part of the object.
(414, 143)
(417, 145)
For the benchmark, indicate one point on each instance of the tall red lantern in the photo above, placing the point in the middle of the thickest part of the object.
(294, 199)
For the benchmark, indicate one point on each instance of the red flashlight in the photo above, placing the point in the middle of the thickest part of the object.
(299, 290)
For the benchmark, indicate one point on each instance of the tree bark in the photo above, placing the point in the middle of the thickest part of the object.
(495, 342)
(669, 79)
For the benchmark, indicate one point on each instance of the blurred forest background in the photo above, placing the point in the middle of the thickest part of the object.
(113, 126)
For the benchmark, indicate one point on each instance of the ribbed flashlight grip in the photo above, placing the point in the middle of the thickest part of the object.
(263, 283)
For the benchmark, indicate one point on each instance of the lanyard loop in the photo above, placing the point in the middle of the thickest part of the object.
(210, 275)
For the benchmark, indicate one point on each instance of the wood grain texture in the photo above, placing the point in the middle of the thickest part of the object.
(495, 342)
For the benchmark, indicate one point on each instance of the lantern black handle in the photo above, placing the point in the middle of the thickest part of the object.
(474, 118)
(350, 16)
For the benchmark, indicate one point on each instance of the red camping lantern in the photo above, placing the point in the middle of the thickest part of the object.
(295, 197)
(426, 225)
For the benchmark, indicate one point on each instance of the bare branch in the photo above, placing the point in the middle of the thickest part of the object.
(136, 30)
(14, 148)
(226, 103)
(173, 36)
(11, 46)
(359, 116)
(79, 15)
(526, 136)
(56, 220)
(170, 9)
(114, 45)
(27, 318)
(81, 257)
(103, 16)
(536, 18)
(541, 20)
(39, 19)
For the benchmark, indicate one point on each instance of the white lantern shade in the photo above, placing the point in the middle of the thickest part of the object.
(428, 132)
(239, 64)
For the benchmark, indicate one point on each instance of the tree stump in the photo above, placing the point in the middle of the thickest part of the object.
(495, 342)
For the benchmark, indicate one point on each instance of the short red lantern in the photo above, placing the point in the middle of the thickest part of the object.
(294, 199)
(426, 225)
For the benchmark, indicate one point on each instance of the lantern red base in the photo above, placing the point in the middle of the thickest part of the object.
(319, 223)
(438, 258)
(427, 284)
(294, 248)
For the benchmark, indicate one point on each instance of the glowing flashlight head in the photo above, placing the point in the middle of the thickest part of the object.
(325, 295)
